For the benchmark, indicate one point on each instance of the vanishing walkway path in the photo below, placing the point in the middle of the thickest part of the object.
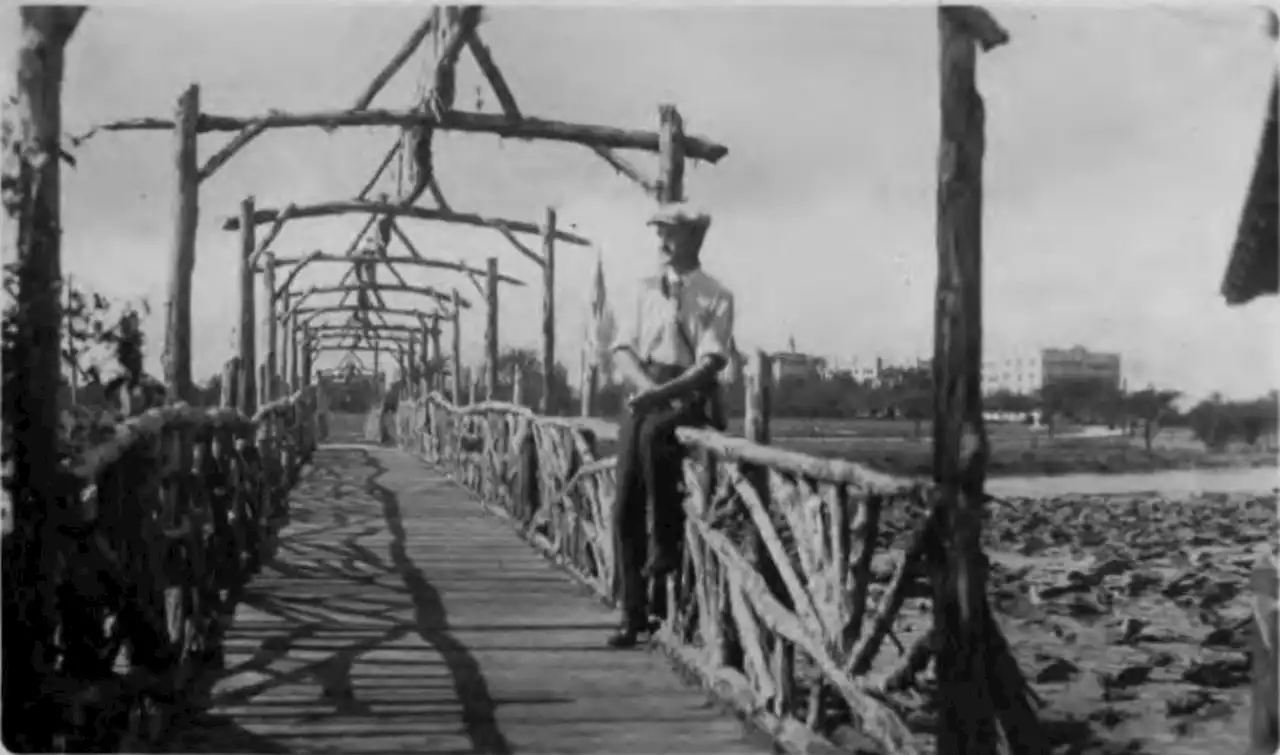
(399, 617)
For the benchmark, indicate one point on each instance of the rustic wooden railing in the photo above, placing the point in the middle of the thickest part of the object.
(140, 566)
(770, 607)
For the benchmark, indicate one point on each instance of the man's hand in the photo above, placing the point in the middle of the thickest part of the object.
(644, 401)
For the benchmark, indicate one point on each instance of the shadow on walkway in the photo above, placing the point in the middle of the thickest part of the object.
(432, 625)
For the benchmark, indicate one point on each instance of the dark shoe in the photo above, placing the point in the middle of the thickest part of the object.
(626, 637)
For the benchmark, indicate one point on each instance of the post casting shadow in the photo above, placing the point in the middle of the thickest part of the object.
(432, 625)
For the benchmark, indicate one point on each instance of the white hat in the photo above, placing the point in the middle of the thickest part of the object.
(680, 213)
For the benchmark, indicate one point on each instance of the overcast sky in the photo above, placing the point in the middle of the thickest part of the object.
(1119, 148)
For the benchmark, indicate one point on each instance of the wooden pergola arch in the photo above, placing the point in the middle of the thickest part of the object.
(455, 29)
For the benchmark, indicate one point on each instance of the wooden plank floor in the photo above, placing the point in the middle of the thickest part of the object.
(400, 617)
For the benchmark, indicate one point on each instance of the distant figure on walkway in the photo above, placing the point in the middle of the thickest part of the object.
(674, 354)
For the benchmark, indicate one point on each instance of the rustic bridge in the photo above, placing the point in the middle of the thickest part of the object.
(260, 577)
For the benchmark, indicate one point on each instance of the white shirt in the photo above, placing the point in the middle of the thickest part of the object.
(694, 301)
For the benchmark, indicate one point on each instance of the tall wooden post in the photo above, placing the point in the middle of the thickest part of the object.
(411, 366)
(437, 381)
(32, 238)
(304, 346)
(517, 384)
(182, 260)
(475, 386)
(230, 383)
(979, 680)
(247, 401)
(758, 407)
(269, 338)
(755, 425)
(457, 348)
(670, 154)
(548, 310)
(491, 328)
(590, 379)
(377, 373)
(291, 350)
(429, 357)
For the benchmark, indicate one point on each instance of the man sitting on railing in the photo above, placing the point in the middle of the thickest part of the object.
(674, 355)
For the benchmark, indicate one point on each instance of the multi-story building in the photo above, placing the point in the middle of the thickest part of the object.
(796, 364)
(1078, 363)
(1026, 372)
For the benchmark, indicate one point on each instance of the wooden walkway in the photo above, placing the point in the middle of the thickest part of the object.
(400, 617)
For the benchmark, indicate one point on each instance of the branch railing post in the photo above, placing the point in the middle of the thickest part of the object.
(491, 328)
(548, 311)
(177, 344)
(247, 401)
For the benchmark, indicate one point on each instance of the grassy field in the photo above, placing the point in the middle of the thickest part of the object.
(893, 446)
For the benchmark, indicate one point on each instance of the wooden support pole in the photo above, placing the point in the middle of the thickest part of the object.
(436, 356)
(305, 348)
(548, 312)
(986, 702)
(247, 401)
(31, 232)
(411, 367)
(491, 328)
(230, 383)
(590, 381)
(755, 425)
(475, 386)
(517, 384)
(182, 260)
(377, 371)
(671, 154)
(269, 340)
(457, 350)
(430, 356)
(295, 371)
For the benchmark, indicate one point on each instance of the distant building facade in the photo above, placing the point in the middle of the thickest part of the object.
(796, 364)
(1025, 373)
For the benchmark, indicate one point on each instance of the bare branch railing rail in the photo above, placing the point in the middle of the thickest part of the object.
(160, 527)
(815, 522)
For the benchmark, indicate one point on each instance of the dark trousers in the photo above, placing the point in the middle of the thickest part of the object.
(649, 477)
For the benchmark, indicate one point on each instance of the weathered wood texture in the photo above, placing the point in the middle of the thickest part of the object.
(699, 148)
(31, 232)
(182, 259)
(247, 402)
(988, 706)
(491, 329)
(399, 617)
(267, 388)
(542, 473)
(384, 209)
(175, 512)
(548, 310)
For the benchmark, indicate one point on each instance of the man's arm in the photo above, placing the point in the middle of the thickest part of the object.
(712, 356)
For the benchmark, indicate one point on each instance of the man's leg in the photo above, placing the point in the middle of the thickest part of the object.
(629, 534)
(664, 470)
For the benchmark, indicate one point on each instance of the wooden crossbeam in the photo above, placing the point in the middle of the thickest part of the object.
(590, 135)
(313, 312)
(346, 207)
(326, 328)
(383, 287)
(399, 260)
